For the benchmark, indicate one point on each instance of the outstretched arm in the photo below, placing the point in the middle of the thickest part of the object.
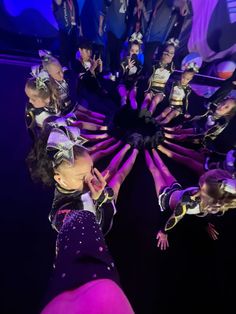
(105, 152)
(189, 162)
(122, 173)
(113, 166)
(101, 145)
(82, 109)
(89, 126)
(94, 137)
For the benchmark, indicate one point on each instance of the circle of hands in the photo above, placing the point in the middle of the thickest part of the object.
(93, 121)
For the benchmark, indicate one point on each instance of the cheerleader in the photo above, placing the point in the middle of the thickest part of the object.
(129, 75)
(44, 105)
(216, 193)
(57, 78)
(82, 207)
(205, 128)
(43, 102)
(178, 99)
(157, 82)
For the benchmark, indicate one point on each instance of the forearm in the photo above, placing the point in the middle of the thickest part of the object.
(101, 21)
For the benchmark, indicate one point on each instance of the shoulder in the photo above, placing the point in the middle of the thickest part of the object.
(182, 196)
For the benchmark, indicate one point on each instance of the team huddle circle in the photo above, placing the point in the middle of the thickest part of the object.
(135, 128)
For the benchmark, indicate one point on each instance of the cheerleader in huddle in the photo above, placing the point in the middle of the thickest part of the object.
(56, 73)
(216, 193)
(83, 207)
(205, 128)
(178, 99)
(129, 75)
(157, 82)
(44, 104)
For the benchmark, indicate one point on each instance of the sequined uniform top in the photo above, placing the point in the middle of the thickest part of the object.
(160, 76)
(64, 96)
(35, 117)
(66, 201)
(81, 251)
(178, 98)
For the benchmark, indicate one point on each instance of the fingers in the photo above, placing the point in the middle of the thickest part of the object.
(213, 233)
(162, 241)
(91, 187)
(167, 135)
(165, 151)
(106, 174)
(100, 177)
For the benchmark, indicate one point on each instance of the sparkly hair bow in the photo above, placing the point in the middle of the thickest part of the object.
(174, 42)
(191, 66)
(229, 185)
(61, 142)
(45, 54)
(41, 77)
(136, 37)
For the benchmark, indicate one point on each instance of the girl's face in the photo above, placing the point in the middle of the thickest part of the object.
(225, 107)
(85, 54)
(55, 71)
(75, 177)
(34, 98)
(186, 77)
(168, 54)
(134, 50)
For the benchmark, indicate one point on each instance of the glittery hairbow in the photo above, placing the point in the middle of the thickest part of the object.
(41, 77)
(136, 37)
(45, 55)
(191, 66)
(229, 185)
(61, 141)
(63, 121)
(174, 42)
